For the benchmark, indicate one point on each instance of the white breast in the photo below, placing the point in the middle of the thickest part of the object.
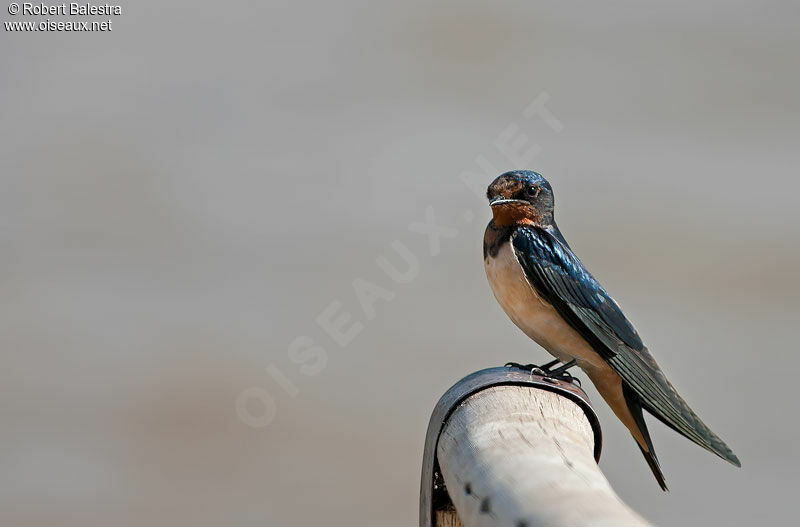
(532, 314)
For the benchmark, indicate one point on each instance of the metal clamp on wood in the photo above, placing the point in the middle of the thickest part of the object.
(433, 492)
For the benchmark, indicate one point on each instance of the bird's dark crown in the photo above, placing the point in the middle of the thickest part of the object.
(521, 196)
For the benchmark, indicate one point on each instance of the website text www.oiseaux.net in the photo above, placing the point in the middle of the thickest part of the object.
(53, 25)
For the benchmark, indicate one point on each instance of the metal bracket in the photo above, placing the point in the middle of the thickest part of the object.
(433, 495)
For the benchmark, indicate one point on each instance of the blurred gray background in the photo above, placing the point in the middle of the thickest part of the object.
(184, 196)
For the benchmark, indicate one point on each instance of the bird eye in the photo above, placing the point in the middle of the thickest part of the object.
(534, 192)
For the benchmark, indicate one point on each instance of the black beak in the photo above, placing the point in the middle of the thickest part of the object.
(501, 200)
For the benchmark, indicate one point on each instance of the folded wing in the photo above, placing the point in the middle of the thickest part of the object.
(560, 278)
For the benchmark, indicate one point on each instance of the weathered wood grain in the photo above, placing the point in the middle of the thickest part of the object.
(447, 518)
(520, 456)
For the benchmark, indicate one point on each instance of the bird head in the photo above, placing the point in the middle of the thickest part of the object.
(521, 197)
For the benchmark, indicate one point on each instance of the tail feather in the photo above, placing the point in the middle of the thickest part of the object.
(655, 467)
(635, 407)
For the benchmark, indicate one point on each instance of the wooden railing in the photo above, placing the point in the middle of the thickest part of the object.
(508, 448)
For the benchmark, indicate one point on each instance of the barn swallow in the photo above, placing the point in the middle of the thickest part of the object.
(548, 293)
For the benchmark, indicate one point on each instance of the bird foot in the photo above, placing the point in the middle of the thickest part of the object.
(544, 370)
(531, 368)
